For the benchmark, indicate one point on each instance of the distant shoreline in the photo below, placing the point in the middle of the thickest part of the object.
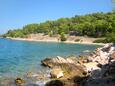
(56, 41)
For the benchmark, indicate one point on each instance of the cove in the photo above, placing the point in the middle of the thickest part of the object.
(19, 57)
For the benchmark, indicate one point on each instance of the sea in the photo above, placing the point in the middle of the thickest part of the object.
(20, 57)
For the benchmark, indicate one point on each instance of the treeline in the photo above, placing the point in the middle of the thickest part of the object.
(94, 25)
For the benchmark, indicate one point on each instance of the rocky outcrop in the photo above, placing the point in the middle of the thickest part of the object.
(97, 69)
(52, 62)
(102, 55)
(91, 66)
(98, 66)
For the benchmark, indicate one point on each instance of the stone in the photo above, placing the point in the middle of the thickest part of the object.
(91, 66)
(57, 73)
(112, 57)
(5, 82)
(102, 55)
(29, 74)
(52, 62)
(19, 82)
(55, 83)
(98, 67)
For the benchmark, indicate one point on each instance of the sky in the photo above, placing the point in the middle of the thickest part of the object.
(15, 14)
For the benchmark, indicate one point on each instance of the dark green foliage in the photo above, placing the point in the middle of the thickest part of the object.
(110, 37)
(94, 25)
(100, 41)
(63, 38)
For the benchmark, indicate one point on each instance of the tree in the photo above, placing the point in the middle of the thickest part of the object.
(63, 38)
(111, 37)
(94, 25)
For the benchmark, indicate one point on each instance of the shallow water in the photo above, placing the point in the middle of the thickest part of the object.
(19, 57)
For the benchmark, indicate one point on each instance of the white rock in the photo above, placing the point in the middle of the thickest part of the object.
(91, 66)
(112, 49)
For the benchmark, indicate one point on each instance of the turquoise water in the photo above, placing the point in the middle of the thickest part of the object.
(18, 57)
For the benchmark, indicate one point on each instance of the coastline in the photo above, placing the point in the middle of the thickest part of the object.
(82, 66)
(55, 41)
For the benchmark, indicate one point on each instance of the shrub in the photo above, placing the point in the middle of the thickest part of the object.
(100, 41)
(63, 38)
(110, 38)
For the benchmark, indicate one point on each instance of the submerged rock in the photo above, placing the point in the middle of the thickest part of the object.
(19, 82)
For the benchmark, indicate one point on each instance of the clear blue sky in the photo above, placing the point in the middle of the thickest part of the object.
(17, 13)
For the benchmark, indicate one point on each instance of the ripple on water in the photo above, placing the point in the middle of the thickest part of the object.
(19, 57)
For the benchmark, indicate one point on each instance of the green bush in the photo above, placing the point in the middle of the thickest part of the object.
(111, 37)
(63, 38)
(100, 41)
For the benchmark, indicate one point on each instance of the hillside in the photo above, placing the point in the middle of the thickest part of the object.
(93, 25)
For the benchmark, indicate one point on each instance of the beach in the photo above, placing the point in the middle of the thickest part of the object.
(70, 39)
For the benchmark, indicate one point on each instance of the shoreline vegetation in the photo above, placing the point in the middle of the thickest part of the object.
(95, 25)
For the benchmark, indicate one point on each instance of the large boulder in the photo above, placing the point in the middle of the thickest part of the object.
(52, 62)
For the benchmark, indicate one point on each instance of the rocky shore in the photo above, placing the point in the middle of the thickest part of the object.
(96, 69)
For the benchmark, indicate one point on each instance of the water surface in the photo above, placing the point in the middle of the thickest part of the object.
(18, 57)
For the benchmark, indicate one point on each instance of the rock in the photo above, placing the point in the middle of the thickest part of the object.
(56, 73)
(40, 83)
(93, 69)
(100, 64)
(110, 70)
(29, 74)
(91, 66)
(5, 82)
(19, 82)
(100, 82)
(85, 51)
(55, 83)
(102, 55)
(47, 62)
(112, 59)
(79, 81)
(52, 62)
(31, 84)
(76, 80)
